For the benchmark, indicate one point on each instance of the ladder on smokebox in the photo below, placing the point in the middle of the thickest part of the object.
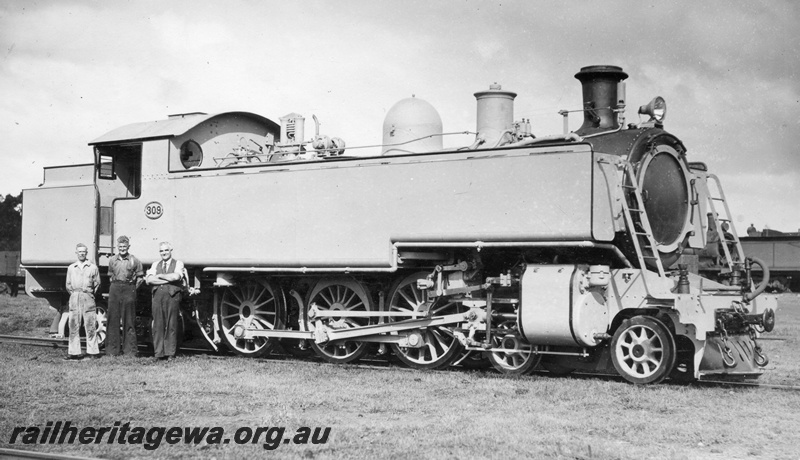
(643, 228)
(729, 260)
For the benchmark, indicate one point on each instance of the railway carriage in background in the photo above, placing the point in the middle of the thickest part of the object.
(568, 251)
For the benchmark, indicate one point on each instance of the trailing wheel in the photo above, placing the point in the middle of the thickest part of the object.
(252, 304)
(338, 294)
(643, 350)
(516, 357)
(102, 324)
(439, 346)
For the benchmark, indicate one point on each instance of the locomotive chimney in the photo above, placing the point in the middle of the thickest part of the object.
(601, 95)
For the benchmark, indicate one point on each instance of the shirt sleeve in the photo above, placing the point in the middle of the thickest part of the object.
(179, 267)
(69, 278)
(95, 278)
(152, 270)
(137, 269)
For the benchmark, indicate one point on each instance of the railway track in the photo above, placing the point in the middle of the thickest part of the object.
(379, 364)
(64, 343)
(20, 454)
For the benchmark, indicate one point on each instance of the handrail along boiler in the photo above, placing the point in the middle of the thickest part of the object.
(568, 251)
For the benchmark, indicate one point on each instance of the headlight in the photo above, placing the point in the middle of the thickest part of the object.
(656, 109)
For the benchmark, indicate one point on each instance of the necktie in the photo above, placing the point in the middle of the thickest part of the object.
(164, 266)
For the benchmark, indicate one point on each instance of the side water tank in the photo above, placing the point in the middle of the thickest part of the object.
(411, 126)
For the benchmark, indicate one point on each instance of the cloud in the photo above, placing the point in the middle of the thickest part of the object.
(73, 70)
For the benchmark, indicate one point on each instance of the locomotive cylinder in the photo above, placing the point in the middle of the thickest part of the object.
(575, 312)
(601, 96)
(495, 114)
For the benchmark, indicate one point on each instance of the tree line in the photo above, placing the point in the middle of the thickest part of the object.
(10, 222)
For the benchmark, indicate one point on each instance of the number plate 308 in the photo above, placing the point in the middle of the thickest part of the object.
(153, 210)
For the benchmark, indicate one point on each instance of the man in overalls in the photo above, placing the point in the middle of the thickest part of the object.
(83, 281)
(165, 277)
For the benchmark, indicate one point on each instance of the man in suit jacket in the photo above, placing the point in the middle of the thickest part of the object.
(166, 279)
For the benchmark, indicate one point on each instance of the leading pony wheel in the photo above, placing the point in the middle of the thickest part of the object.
(512, 355)
(643, 350)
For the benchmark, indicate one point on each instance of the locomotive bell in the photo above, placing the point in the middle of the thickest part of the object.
(601, 96)
(495, 114)
(411, 126)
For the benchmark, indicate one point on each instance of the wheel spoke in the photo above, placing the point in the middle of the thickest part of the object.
(437, 311)
(233, 292)
(350, 299)
(413, 303)
(417, 294)
(328, 301)
(359, 304)
(237, 307)
(642, 336)
(432, 349)
(260, 294)
(264, 323)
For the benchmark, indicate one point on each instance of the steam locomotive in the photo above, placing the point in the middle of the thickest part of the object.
(568, 251)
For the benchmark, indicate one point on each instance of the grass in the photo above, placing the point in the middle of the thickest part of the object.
(24, 315)
(399, 413)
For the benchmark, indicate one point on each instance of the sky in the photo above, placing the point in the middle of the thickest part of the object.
(73, 70)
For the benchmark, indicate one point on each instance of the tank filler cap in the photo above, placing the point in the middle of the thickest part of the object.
(495, 89)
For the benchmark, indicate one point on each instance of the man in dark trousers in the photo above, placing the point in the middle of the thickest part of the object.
(166, 279)
(126, 274)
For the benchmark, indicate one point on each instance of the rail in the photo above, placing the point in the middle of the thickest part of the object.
(384, 364)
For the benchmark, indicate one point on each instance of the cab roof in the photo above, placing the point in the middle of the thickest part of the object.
(175, 125)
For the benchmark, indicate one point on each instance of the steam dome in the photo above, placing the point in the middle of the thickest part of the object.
(411, 126)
